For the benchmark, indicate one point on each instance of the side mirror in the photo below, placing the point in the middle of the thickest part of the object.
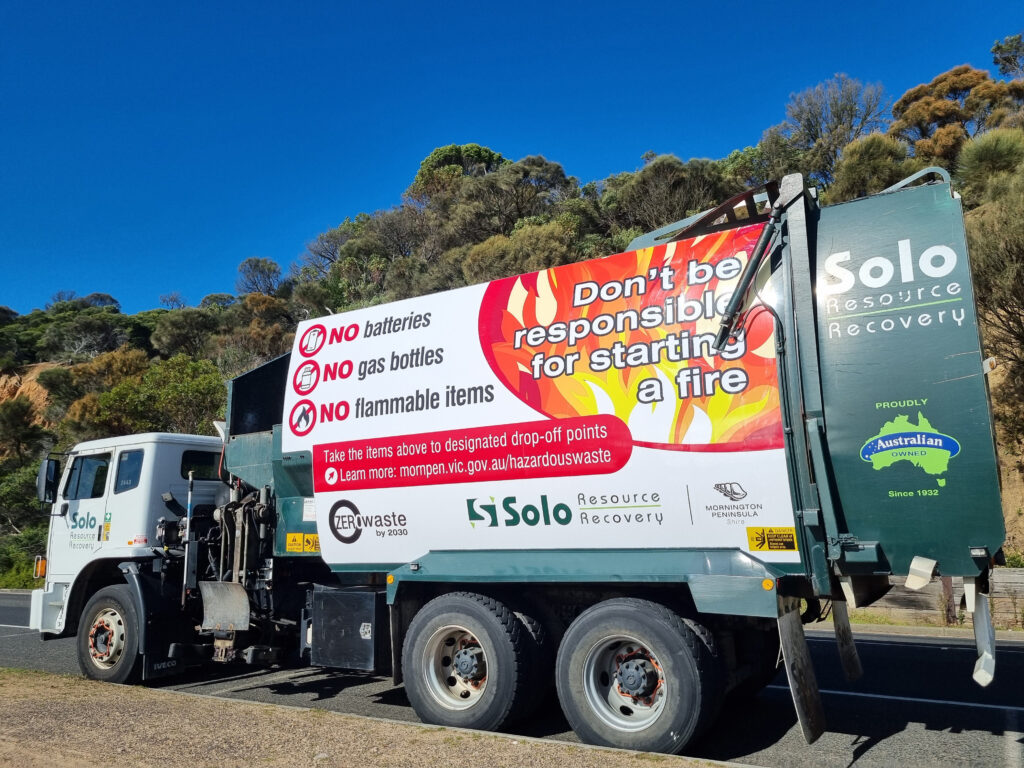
(46, 481)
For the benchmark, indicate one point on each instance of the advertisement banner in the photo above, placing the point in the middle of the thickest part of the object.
(576, 407)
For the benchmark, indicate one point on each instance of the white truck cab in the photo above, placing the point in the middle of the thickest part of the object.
(105, 508)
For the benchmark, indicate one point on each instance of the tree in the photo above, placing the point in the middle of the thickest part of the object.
(256, 275)
(987, 164)
(774, 156)
(869, 165)
(996, 237)
(325, 250)
(1008, 56)
(936, 118)
(666, 190)
(176, 395)
(492, 204)
(216, 301)
(184, 331)
(443, 169)
(820, 121)
(18, 431)
(172, 300)
(530, 248)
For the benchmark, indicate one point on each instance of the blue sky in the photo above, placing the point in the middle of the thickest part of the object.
(147, 148)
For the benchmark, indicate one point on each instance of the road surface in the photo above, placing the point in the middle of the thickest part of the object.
(915, 707)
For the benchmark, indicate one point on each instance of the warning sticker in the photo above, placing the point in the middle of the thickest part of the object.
(293, 542)
(772, 539)
(310, 542)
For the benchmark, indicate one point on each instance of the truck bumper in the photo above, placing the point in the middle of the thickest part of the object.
(46, 607)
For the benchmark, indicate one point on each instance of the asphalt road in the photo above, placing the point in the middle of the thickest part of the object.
(915, 706)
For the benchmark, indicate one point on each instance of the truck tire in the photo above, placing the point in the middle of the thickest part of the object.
(634, 674)
(467, 662)
(108, 637)
(764, 656)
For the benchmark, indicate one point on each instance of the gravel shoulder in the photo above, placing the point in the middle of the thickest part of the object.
(62, 720)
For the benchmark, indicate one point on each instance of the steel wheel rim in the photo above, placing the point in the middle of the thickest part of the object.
(603, 693)
(106, 638)
(447, 687)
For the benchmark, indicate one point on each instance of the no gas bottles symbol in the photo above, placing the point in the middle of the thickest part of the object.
(302, 418)
(306, 377)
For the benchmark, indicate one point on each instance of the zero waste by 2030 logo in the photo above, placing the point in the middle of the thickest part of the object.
(920, 444)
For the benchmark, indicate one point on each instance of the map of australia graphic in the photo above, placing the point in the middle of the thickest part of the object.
(920, 444)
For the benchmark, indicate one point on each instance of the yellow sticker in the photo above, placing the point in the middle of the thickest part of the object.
(311, 542)
(293, 542)
(772, 539)
(106, 532)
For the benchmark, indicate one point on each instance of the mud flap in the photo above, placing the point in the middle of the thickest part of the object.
(225, 606)
(802, 682)
(984, 635)
(848, 655)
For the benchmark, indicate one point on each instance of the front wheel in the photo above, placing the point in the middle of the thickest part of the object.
(108, 637)
(633, 674)
(466, 659)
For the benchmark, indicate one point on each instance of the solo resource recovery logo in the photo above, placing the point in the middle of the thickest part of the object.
(920, 444)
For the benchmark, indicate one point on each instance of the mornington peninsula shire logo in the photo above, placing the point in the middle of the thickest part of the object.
(732, 491)
(920, 444)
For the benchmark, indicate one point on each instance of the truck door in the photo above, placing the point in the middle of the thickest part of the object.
(77, 525)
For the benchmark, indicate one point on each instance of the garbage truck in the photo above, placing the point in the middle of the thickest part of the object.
(626, 482)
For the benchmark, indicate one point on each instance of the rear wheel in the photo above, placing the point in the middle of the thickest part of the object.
(108, 637)
(633, 674)
(467, 662)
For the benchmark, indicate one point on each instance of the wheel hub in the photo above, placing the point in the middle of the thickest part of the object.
(469, 663)
(106, 639)
(636, 677)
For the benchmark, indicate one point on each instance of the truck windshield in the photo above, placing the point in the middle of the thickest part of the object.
(88, 477)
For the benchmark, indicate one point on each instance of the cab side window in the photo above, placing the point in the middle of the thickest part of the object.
(129, 470)
(88, 477)
(203, 464)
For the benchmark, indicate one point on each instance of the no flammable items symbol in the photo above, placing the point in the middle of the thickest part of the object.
(302, 418)
(306, 377)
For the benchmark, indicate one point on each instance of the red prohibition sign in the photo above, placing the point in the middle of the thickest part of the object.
(312, 340)
(302, 418)
(306, 377)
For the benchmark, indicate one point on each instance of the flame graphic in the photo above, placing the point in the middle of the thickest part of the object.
(747, 420)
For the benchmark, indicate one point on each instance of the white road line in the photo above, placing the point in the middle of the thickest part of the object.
(912, 699)
(19, 634)
(15, 626)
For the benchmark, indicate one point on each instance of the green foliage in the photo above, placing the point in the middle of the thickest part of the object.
(17, 557)
(177, 395)
(19, 434)
(256, 275)
(869, 165)
(822, 120)
(1014, 559)
(184, 331)
(530, 248)
(666, 190)
(18, 505)
(995, 233)
(988, 162)
(1008, 56)
(443, 169)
